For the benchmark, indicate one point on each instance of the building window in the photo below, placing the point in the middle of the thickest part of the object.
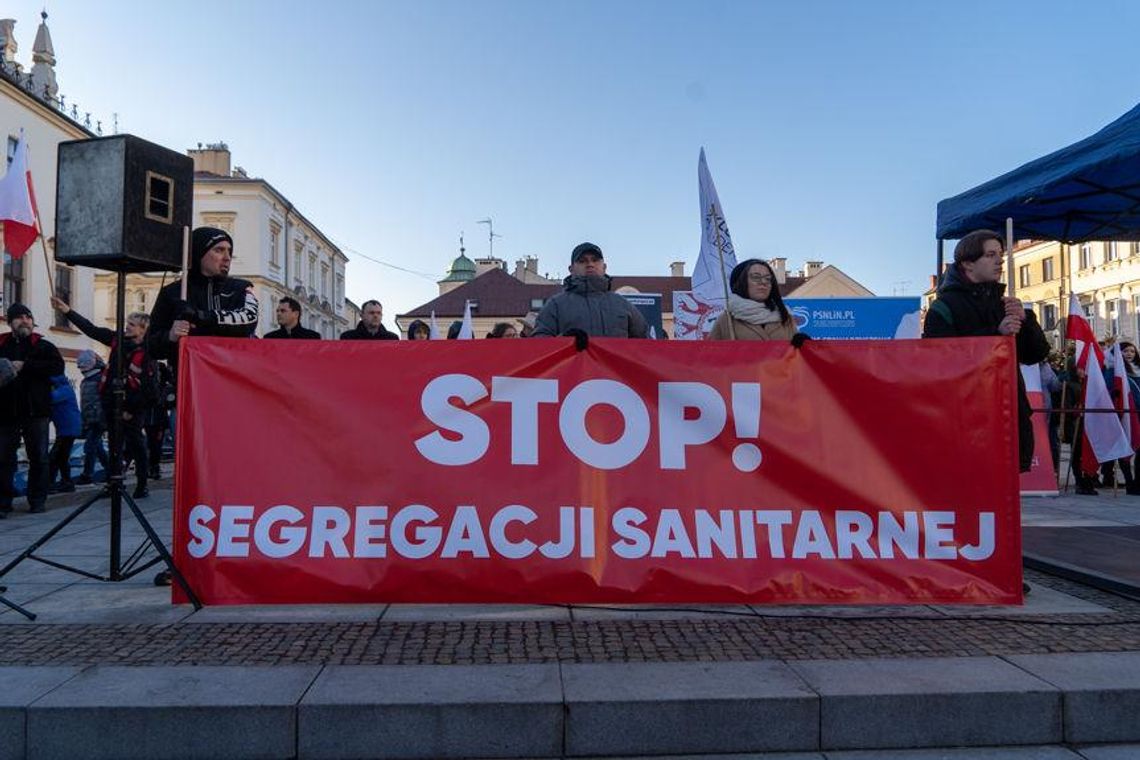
(1086, 256)
(274, 242)
(1111, 320)
(63, 279)
(1049, 316)
(297, 263)
(312, 272)
(1047, 269)
(223, 220)
(140, 301)
(1136, 312)
(1110, 251)
(536, 304)
(339, 292)
(325, 281)
(1135, 247)
(13, 280)
(1023, 276)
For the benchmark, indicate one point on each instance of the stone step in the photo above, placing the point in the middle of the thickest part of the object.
(570, 710)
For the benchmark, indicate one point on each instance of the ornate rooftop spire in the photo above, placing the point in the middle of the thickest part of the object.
(43, 63)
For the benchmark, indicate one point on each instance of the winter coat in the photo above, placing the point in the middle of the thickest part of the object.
(967, 309)
(219, 306)
(361, 333)
(64, 408)
(90, 405)
(749, 331)
(139, 368)
(28, 395)
(586, 303)
(297, 333)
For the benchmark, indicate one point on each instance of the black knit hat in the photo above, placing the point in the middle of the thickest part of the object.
(203, 239)
(18, 310)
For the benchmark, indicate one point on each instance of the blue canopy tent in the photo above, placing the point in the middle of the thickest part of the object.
(1089, 190)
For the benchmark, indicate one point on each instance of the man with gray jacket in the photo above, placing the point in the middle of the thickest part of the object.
(587, 305)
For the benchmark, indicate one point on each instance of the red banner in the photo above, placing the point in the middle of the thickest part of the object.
(524, 471)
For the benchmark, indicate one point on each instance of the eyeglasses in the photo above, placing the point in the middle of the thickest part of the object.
(760, 279)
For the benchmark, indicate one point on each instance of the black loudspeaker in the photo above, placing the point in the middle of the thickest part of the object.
(121, 203)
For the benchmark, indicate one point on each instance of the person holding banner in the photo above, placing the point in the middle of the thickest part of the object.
(216, 304)
(586, 305)
(755, 309)
(971, 302)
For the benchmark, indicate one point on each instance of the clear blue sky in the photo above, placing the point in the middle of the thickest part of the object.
(832, 129)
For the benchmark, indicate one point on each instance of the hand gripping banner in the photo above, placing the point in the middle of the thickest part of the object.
(524, 471)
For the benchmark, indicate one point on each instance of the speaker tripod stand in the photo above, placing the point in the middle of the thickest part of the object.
(115, 493)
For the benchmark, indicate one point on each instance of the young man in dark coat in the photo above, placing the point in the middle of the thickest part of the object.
(972, 302)
(370, 328)
(289, 322)
(216, 304)
(27, 364)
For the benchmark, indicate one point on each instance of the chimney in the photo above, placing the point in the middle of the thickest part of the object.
(780, 266)
(213, 159)
(532, 264)
(677, 269)
(812, 268)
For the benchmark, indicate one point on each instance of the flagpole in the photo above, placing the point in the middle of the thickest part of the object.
(723, 276)
(43, 247)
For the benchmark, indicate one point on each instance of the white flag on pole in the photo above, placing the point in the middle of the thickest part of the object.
(433, 333)
(467, 331)
(708, 275)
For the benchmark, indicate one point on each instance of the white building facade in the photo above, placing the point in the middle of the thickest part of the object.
(30, 102)
(275, 247)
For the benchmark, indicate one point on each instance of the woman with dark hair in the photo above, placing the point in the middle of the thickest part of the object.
(503, 330)
(755, 310)
(419, 330)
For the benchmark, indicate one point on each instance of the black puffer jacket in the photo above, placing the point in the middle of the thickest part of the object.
(28, 396)
(972, 309)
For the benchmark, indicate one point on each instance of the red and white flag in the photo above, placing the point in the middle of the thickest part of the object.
(1104, 438)
(18, 203)
(1129, 419)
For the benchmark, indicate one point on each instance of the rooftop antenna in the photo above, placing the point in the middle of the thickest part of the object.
(490, 236)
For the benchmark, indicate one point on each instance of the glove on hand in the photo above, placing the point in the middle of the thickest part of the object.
(581, 339)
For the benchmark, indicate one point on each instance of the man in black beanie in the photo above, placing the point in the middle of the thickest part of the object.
(216, 304)
(28, 364)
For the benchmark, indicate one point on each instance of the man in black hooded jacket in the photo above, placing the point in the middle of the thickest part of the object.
(971, 302)
(216, 304)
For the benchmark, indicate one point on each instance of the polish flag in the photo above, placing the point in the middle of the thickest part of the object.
(1104, 437)
(18, 203)
(1129, 419)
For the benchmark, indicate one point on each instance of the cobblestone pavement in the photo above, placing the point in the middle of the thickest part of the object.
(1063, 617)
(723, 637)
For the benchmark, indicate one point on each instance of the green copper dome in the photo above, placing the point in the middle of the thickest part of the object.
(462, 270)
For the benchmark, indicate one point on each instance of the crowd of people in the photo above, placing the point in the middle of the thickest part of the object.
(33, 389)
